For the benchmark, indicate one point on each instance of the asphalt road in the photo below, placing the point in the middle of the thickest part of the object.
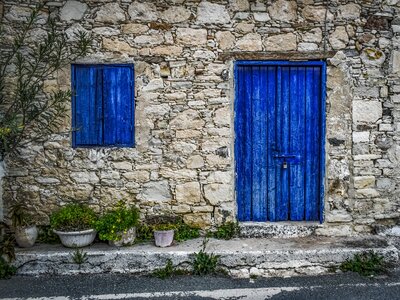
(112, 286)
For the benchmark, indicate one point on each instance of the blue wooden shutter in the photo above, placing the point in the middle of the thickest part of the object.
(118, 93)
(87, 106)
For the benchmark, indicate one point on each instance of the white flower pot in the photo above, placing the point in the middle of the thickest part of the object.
(26, 236)
(78, 239)
(128, 238)
(163, 238)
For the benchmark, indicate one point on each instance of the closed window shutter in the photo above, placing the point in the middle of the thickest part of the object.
(87, 106)
(118, 106)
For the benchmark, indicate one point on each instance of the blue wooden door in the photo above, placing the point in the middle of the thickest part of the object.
(279, 142)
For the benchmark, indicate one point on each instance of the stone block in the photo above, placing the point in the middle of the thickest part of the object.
(339, 38)
(143, 12)
(188, 193)
(73, 10)
(84, 177)
(249, 42)
(361, 182)
(281, 42)
(110, 13)
(217, 193)
(225, 39)
(191, 37)
(283, 11)
(361, 137)
(366, 111)
(195, 162)
(349, 11)
(156, 191)
(211, 13)
(175, 14)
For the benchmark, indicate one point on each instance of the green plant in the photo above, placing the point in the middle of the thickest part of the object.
(7, 254)
(144, 232)
(165, 272)
(19, 214)
(29, 113)
(365, 264)
(73, 217)
(185, 232)
(47, 236)
(117, 221)
(164, 227)
(168, 271)
(205, 263)
(226, 231)
(7, 247)
(6, 270)
(79, 256)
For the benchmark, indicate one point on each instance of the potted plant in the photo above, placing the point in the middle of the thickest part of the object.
(118, 225)
(164, 234)
(26, 232)
(74, 224)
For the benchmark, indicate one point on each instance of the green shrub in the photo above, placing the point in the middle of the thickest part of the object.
(164, 227)
(47, 236)
(73, 217)
(165, 272)
(205, 263)
(6, 270)
(117, 221)
(226, 231)
(365, 264)
(185, 232)
(144, 233)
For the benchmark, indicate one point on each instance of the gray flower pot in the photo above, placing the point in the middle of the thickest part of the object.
(78, 239)
(26, 236)
(128, 238)
(163, 238)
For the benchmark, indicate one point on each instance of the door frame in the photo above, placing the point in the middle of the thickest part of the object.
(320, 63)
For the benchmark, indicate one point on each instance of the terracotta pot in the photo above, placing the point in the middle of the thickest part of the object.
(163, 238)
(26, 236)
(128, 238)
(72, 239)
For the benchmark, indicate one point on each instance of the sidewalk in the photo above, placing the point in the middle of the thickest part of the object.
(242, 257)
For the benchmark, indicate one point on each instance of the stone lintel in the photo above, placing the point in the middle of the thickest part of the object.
(276, 55)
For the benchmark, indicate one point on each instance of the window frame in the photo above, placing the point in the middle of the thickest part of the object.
(131, 144)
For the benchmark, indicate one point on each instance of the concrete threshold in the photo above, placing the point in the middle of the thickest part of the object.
(240, 257)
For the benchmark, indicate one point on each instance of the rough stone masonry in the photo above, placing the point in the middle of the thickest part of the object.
(183, 52)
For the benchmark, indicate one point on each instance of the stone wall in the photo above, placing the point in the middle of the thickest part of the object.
(183, 53)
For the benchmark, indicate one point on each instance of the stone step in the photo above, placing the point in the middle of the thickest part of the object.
(277, 229)
(239, 257)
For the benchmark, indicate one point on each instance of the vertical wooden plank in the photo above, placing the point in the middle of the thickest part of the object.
(296, 181)
(322, 143)
(283, 123)
(118, 106)
(240, 141)
(272, 142)
(313, 210)
(259, 144)
(312, 134)
(88, 106)
(248, 155)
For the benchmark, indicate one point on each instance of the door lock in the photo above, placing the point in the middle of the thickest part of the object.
(284, 165)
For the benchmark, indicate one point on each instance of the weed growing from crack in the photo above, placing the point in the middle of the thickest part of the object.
(168, 271)
(205, 263)
(226, 231)
(79, 256)
(365, 264)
